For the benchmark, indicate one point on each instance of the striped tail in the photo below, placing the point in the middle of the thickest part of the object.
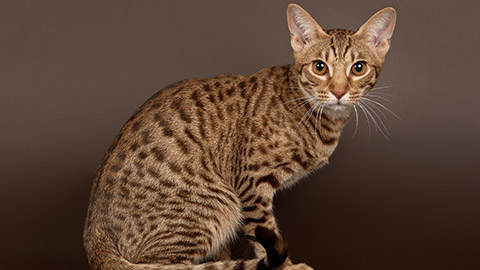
(104, 255)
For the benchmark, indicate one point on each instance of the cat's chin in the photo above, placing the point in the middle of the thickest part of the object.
(339, 107)
(339, 110)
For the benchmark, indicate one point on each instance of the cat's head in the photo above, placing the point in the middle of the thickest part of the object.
(338, 67)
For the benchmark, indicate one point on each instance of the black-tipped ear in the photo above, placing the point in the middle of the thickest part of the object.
(378, 30)
(302, 26)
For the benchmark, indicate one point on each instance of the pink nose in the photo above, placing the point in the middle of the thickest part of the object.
(339, 94)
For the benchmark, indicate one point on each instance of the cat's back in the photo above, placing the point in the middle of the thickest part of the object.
(165, 136)
(167, 147)
(215, 89)
(184, 104)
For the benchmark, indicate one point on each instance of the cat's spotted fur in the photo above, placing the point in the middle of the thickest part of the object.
(202, 158)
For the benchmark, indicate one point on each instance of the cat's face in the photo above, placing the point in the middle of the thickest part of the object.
(339, 67)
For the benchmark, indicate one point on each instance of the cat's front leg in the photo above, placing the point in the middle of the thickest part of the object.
(260, 226)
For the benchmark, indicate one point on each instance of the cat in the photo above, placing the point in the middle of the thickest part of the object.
(202, 158)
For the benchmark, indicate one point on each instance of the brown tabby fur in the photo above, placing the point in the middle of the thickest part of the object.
(202, 159)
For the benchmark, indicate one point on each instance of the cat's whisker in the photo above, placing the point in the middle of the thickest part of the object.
(386, 134)
(380, 97)
(383, 106)
(296, 99)
(382, 94)
(356, 121)
(313, 110)
(366, 117)
(318, 121)
(383, 87)
(304, 116)
(301, 119)
(314, 107)
(376, 107)
(301, 104)
(370, 115)
(377, 126)
(373, 107)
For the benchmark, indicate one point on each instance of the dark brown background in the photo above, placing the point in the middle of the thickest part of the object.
(72, 72)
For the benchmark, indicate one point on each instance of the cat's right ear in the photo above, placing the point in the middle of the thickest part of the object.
(303, 28)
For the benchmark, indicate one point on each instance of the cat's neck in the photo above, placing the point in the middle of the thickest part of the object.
(303, 116)
(324, 122)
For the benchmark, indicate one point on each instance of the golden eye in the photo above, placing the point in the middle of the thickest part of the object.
(359, 68)
(320, 68)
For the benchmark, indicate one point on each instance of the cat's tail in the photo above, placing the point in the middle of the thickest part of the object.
(104, 255)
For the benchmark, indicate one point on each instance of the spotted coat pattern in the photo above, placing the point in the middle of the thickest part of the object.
(201, 160)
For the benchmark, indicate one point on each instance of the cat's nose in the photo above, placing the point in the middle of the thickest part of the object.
(339, 94)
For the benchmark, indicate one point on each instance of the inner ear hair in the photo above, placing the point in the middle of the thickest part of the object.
(303, 28)
(378, 30)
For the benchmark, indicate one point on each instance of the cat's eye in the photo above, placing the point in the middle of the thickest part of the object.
(320, 68)
(359, 68)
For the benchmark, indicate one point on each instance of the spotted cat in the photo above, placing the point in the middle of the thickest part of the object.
(201, 160)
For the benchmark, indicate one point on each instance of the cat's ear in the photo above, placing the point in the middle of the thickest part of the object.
(378, 30)
(303, 28)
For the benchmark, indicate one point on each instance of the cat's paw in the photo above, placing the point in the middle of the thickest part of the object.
(300, 266)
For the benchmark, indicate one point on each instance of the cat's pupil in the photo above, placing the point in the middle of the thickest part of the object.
(358, 67)
(320, 66)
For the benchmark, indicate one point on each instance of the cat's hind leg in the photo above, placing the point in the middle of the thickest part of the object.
(104, 255)
(192, 226)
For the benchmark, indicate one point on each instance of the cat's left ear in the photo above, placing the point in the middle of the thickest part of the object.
(378, 30)
(303, 28)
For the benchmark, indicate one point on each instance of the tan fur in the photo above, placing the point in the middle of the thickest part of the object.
(202, 159)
